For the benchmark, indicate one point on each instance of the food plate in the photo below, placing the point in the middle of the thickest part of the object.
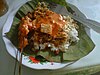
(25, 61)
(13, 51)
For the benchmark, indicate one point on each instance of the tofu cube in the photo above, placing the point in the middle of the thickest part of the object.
(46, 28)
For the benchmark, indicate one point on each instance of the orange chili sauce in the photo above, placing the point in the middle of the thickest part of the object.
(51, 18)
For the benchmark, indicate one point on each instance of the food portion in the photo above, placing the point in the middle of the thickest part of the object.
(44, 29)
(47, 36)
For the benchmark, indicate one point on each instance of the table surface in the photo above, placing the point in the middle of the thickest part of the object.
(7, 62)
